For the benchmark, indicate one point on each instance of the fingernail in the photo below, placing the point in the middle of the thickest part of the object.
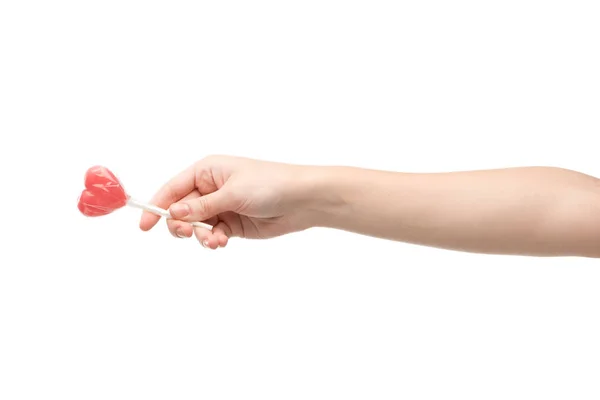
(205, 244)
(180, 210)
(180, 234)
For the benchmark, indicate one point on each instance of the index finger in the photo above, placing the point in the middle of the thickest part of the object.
(175, 189)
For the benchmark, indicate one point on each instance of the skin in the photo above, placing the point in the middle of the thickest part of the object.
(533, 211)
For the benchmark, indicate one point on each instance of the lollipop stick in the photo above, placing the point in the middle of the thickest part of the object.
(160, 212)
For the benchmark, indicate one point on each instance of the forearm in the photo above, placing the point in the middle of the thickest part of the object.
(529, 211)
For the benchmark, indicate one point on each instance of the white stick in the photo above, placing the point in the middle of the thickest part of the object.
(161, 212)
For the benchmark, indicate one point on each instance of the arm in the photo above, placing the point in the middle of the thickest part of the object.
(537, 211)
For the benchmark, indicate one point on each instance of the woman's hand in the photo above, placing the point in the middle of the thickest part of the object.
(238, 197)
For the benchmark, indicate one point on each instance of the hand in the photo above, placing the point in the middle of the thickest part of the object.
(237, 196)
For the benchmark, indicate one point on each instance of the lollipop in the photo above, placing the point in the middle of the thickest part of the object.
(104, 194)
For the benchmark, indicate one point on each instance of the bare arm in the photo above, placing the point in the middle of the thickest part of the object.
(537, 211)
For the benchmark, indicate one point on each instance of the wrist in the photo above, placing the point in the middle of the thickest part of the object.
(325, 193)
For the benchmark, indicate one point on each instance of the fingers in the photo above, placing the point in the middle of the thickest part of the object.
(206, 238)
(178, 187)
(222, 232)
(217, 238)
(203, 207)
(182, 229)
(214, 239)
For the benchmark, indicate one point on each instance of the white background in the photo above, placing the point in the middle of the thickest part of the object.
(96, 309)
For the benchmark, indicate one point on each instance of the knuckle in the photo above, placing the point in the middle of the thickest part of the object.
(212, 158)
(201, 207)
(167, 192)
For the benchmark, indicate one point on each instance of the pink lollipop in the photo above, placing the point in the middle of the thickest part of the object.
(104, 194)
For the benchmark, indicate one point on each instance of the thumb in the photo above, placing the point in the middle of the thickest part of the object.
(203, 207)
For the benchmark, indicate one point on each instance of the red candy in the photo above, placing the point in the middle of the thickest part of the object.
(103, 193)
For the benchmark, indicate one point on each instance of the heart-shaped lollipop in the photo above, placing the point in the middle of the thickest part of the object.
(104, 194)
